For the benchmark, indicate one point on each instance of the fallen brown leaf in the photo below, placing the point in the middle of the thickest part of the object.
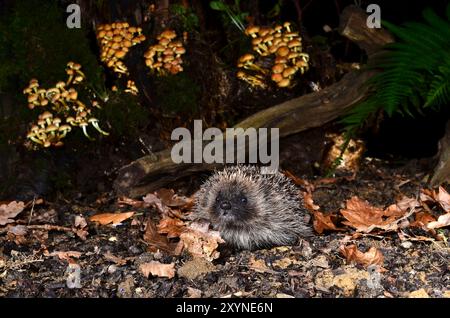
(115, 259)
(309, 202)
(170, 226)
(258, 265)
(443, 220)
(444, 199)
(200, 241)
(158, 269)
(171, 199)
(152, 200)
(422, 219)
(66, 255)
(365, 217)
(323, 222)
(159, 242)
(441, 197)
(372, 256)
(8, 211)
(131, 202)
(114, 218)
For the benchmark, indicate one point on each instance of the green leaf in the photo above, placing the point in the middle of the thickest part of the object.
(218, 5)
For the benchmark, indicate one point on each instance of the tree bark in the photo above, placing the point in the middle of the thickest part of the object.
(442, 170)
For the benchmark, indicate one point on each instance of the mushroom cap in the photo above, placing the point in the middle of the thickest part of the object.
(101, 34)
(32, 98)
(246, 58)
(264, 31)
(283, 51)
(276, 77)
(33, 83)
(240, 74)
(168, 34)
(60, 84)
(294, 43)
(56, 121)
(268, 38)
(251, 29)
(120, 54)
(73, 94)
(158, 48)
(127, 43)
(45, 115)
(65, 127)
(180, 50)
(51, 128)
(285, 82)
(256, 41)
(278, 68)
(289, 72)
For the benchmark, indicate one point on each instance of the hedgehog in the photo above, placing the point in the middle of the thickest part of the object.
(252, 210)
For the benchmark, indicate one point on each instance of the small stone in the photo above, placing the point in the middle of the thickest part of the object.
(420, 293)
(406, 244)
(282, 295)
(194, 268)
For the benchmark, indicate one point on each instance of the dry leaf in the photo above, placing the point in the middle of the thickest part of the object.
(323, 222)
(158, 269)
(131, 202)
(443, 220)
(170, 226)
(372, 256)
(444, 199)
(115, 259)
(441, 197)
(8, 211)
(153, 200)
(171, 199)
(80, 222)
(200, 241)
(258, 265)
(157, 241)
(422, 219)
(309, 202)
(114, 218)
(66, 255)
(365, 217)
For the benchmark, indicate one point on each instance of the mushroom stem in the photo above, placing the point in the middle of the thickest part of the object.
(85, 132)
(96, 126)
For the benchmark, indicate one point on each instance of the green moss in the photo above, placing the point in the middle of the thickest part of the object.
(124, 114)
(177, 94)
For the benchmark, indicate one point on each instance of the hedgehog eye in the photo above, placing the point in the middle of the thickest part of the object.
(217, 199)
(244, 200)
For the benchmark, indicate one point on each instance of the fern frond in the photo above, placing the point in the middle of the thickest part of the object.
(414, 71)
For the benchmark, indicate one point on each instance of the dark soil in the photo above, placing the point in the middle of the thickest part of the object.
(314, 268)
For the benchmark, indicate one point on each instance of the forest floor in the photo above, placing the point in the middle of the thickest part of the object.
(43, 253)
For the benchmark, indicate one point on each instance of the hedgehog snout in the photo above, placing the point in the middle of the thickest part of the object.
(225, 206)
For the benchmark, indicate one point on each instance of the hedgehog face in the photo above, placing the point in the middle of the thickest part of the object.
(232, 205)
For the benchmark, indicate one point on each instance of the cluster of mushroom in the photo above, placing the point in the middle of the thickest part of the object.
(115, 40)
(63, 100)
(165, 56)
(131, 88)
(48, 130)
(281, 42)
